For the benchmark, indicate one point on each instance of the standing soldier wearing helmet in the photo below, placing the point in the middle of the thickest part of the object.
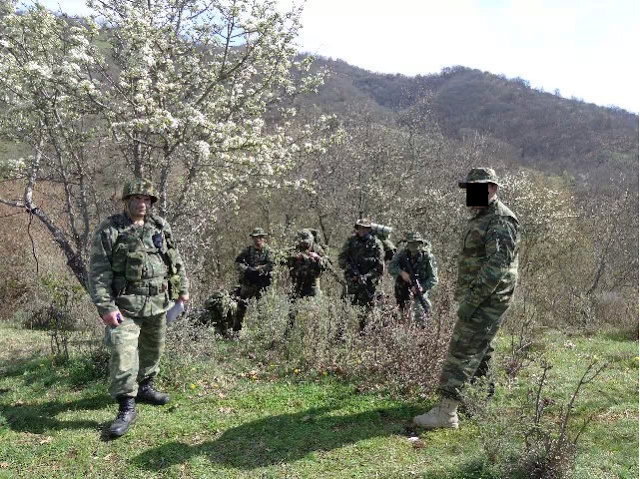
(487, 277)
(306, 263)
(414, 268)
(362, 259)
(255, 267)
(135, 272)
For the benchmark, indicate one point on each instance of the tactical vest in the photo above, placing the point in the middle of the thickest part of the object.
(143, 264)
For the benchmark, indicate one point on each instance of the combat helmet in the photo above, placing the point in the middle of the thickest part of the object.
(304, 235)
(140, 186)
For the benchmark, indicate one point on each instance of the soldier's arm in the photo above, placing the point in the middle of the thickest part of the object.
(394, 266)
(241, 261)
(177, 259)
(268, 262)
(343, 257)
(501, 243)
(100, 272)
(378, 267)
(431, 278)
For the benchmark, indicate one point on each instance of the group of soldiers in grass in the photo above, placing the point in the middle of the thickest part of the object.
(136, 274)
(362, 260)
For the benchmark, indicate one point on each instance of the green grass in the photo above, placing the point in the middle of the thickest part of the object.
(224, 424)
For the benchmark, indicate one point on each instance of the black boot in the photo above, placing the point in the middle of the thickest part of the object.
(146, 393)
(125, 418)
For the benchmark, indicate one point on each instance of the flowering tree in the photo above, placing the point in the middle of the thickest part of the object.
(195, 94)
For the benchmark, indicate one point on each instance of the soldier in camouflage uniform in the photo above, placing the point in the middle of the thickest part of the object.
(487, 277)
(306, 264)
(135, 272)
(362, 259)
(255, 266)
(221, 310)
(416, 258)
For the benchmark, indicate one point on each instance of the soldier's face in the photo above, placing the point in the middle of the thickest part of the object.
(413, 247)
(259, 242)
(304, 245)
(363, 231)
(139, 205)
(479, 195)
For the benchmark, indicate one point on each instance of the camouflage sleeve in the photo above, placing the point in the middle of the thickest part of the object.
(268, 261)
(432, 272)
(182, 272)
(378, 269)
(100, 273)
(395, 265)
(323, 262)
(500, 245)
(241, 261)
(343, 257)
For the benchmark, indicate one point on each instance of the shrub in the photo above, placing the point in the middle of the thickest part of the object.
(391, 352)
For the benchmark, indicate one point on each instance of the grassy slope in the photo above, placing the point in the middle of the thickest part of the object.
(52, 423)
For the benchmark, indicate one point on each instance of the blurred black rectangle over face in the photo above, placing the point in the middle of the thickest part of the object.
(477, 194)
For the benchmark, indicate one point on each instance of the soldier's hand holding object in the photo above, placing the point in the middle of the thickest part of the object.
(184, 298)
(315, 256)
(405, 276)
(465, 310)
(114, 318)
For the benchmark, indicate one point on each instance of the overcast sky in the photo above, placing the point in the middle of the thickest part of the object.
(584, 48)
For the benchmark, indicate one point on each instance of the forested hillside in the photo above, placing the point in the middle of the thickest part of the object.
(545, 130)
(212, 102)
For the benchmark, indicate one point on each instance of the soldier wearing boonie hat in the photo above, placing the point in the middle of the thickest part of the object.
(415, 258)
(487, 277)
(362, 259)
(255, 268)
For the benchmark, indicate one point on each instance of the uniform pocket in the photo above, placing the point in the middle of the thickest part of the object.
(135, 265)
(119, 258)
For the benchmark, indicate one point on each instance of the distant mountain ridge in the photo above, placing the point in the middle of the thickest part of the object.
(546, 130)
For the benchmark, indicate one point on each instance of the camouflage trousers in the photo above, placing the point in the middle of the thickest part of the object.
(247, 292)
(403, 298)
(471, 350)
(136, 348)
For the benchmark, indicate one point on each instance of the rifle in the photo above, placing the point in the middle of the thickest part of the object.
(361, 279)
(416, 284)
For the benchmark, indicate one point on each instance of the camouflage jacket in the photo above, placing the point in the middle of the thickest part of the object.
(488, 264)
(131, 266)
(423, 264)
(364, 255)
(250, 259)
(305, 271)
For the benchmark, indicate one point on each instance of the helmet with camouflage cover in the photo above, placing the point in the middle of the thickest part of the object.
(304, 235)
(480, 175)
(140, 186)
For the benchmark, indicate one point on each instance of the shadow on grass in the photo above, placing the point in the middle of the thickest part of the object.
(40, 418)
(284, 438)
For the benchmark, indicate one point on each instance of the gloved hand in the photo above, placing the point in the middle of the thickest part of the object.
(465, 310)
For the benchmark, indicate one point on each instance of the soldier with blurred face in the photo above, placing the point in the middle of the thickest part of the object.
(487, 277)
(135, 273)
(362, 259)
(255, 268)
